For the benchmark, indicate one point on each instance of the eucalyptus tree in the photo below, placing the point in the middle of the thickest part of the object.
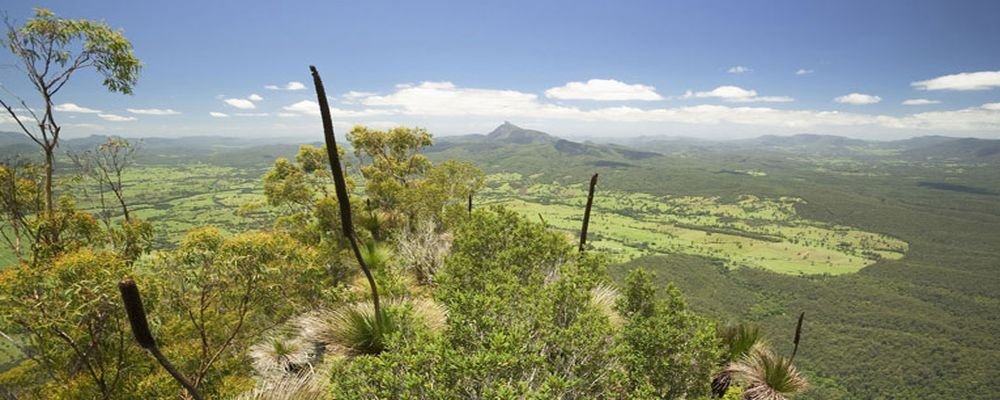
(49, 50)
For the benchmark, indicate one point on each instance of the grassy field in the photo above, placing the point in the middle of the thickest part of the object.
(750, 231)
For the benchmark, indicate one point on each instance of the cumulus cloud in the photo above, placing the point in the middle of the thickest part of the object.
(293, 85)
(736, 94)
(242, 104)
(858, 98)
(739, 69)
(803, 71)
(991, 106)
(603, 90)
(217, 114)
(255, 97)
(309, 107)
(353, 95)
(919, 102)
(444, 98)
(152, 111)
(115, 118)
(73, 108)
(982, 80)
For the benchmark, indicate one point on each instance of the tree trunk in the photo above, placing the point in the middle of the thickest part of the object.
(49, 167)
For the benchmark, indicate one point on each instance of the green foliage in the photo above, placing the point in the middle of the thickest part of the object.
(301, 191)
(670, 352)
(403, 185)
(68, 313)
(390, 162)
(65, 230)
(523, 322)
(220, 294)
(20, 197)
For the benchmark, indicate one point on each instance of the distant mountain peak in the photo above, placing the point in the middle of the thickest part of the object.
(508, 132)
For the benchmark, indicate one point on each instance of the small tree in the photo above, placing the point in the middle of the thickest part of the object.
(106, 165)
(49, 50)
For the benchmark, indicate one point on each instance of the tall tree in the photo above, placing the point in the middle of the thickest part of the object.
(49, 50)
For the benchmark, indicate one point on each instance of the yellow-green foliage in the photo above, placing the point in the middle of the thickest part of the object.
(68, 312)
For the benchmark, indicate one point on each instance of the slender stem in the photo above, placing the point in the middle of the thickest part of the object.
(140, 329)
(586, 213)
(155, 351)
(798, 335)
(341, 187)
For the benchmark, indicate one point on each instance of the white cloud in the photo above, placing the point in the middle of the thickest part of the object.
(444, 101)
(242, 104)
(94, 127)
(255, 97)
(309, 107)
(218, 114)
(803, 71)
(353, 97)
(293, 85)
(288, 115)
(152, 111)
(73, 108)
(983, 80)
(739, 69)
(444, 98)
(858, 98)
(736, 94)
(115, 118)
(603, 89)
(919, 102)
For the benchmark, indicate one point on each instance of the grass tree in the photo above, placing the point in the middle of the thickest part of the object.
(764, 374)
(586, 213)
(343, 198)
(767, 376)
(737, 341)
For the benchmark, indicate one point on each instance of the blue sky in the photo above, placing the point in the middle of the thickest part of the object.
(716, 69)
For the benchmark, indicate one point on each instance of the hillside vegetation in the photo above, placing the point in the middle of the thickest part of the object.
(702, 219)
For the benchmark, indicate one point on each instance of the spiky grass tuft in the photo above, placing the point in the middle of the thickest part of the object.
(292, 387)
(767, 376)
(739, 339)
(352, 330)
(354, 327)
(604, 297)
(278, 356)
